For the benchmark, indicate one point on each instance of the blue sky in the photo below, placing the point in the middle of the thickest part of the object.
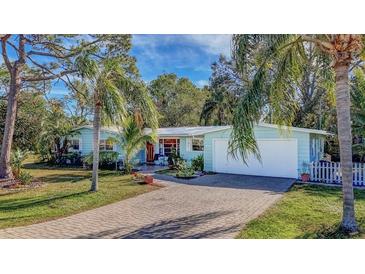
(185, 55)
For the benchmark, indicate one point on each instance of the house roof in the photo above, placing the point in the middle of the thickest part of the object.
(189, 131)
(201, 130)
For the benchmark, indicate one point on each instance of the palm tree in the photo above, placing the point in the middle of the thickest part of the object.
(114, 92)
(218, 107)
(279, 60)
(131, 139)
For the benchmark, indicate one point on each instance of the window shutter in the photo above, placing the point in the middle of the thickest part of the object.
(188, 144)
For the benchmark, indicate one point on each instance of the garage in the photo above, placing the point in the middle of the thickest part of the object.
(279, 158)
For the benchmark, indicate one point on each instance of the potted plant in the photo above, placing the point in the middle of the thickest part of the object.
(148, 179)
(304, 174)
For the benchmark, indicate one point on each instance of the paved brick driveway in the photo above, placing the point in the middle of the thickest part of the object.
(214, 206)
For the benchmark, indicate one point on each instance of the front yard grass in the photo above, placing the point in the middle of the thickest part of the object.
(306, 211)
(64, 193)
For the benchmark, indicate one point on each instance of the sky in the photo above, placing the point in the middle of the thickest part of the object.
(185, 55)
(189, 55)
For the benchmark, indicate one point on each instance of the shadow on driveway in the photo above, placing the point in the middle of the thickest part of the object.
(273, 184)
(172, 229)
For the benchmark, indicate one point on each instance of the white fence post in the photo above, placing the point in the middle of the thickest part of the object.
(330, 173)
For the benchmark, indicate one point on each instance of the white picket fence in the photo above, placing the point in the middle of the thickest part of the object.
(330, 173)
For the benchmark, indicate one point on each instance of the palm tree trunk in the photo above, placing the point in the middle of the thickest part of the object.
(343, 104)
(5, 168)
(96, 142)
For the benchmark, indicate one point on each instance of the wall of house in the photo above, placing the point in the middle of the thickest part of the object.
(260, 133)
(316, 144)
(86, 143)
(185, 153)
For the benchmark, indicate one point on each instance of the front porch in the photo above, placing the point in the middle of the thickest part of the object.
(158, 154)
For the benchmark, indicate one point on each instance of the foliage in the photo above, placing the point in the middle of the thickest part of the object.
(223, 90)
(280, 65)
(25, 177)
(358, 111)
(184, 169)
(28, 126)
(174, 158)
(132, 138)
(305, 168)
(41, 59)
(57, 129)
(107, 159)
(17, 159)
(178, 100)
(197, 163)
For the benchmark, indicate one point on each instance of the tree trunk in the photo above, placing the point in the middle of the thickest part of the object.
(343, 104)
(96, 142)
(5, 168)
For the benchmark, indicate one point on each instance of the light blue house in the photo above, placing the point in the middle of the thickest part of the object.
(284, 151)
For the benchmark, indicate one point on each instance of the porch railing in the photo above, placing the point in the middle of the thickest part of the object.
(330, 173)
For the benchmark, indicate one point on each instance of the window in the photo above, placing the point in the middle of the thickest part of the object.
(74, 144)
(197, 144)
(106, 145)
(167, 145)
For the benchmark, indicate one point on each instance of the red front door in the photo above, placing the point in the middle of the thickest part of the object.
(150, 152)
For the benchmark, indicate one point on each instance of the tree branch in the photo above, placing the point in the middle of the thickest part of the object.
(4, 51)
(323, 44)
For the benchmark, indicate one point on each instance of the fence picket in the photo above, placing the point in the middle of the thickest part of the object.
(330, 173)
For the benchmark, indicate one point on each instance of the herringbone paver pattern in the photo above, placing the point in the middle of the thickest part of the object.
(193, 210)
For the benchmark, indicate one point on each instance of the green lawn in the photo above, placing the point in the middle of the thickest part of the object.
(306, 211)
(65, 193)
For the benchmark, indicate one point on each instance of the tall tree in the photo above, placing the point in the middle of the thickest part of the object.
(178, 100)
(115, 90)
(33, 58)
(30, 114)
(222, 96)
(288, 53)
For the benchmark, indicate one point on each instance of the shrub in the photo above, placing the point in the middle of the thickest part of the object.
(25, 177)
(198, 163)
(107, 159)
(174, 159)
(184, 170)
(17, 158)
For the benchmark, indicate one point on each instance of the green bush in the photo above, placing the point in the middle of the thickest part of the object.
(198, 163)
(184, 170)
(174, 159)
(25, 177)
(107, 159)
(17, 158)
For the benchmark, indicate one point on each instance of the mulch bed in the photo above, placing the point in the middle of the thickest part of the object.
(13, 184)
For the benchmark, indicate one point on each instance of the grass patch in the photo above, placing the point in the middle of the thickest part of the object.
(170, 172)
(306, 212)
(66, 192)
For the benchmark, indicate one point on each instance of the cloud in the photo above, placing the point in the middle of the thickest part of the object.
(202, 83)
(212, 43)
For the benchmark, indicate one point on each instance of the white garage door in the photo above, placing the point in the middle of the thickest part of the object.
(279, 158)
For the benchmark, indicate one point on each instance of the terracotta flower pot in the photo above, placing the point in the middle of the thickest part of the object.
(148, 179)
(305, 177)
